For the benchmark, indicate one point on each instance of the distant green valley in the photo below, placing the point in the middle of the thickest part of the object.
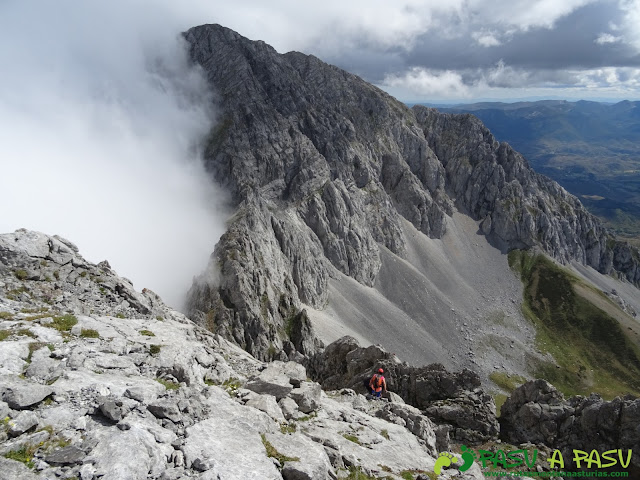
(592, 149)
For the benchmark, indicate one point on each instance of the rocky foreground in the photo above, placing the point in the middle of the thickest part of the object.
(100, 381)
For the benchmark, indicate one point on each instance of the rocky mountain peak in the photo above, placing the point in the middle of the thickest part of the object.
(328, 172)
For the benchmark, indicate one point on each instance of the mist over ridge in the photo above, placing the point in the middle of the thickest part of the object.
(102, 119)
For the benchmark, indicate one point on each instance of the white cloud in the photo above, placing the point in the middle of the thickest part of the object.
(486, 39)
(100, 123)
(523, 14)
(421, 81)
(631, 22)
(605, 38)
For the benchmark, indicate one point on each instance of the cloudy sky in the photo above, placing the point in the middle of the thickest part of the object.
(462, 49)
(102, 118)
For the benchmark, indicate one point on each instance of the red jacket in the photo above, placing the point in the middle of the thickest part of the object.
(377, 382)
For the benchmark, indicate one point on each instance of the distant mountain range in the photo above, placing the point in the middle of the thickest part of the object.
(592, 149)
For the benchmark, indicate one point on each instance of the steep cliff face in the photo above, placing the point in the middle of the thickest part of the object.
(327, 172)
(518, 207)
(322, 166)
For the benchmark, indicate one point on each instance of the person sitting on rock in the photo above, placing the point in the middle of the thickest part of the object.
(378, 384)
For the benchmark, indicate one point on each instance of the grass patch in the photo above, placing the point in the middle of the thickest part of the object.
(352, 438)
(147, 333)
(385, 433)
(590, 347)
(32, 318)
(507, 382)
(168, 384)
(288, 428)
(83, 274)
(63, 323)
(6, 315)
(34, 310)
(356, 473)
(406, 475)
(273, 453)
(34, 347)
(13, 294)
(306, 418)
(89, 333)
(4, 334)
(231, 386)
(499, 399)
(120, 315)
(21, 274)
(26, 333)
(154, 349)
(24, 455)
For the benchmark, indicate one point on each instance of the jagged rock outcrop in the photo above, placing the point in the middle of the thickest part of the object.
(449, 399)
(518, 207)
(537, 412)
(100, 381)
(324, 168)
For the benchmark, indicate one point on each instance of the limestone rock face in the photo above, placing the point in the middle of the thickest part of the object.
(537, 412)
(452, 399)
(116, 403)
(324, 168)
(518, 207)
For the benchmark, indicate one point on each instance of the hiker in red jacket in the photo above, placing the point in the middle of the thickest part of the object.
(378, 384)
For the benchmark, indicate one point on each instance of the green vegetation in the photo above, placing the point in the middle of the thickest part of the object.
(352, 438)
(34, 310)
(168, 384)
(31, 318)
(147, 333)
(12, 294)
(21, 274)
(89, 333)
(231, 386)
(154, 349)
(34, 347)
(56, 275)
(120, 315)
(406, 474)
(4, 334)
(507, 382)
(306, 418)
(6, 315)
(385, 433)
(499, 399)
(24, 455)
(63, 323)
(288, 428)
(26, 333)
(356, 473)
(83, 274)
(591, 349)
(273, 453)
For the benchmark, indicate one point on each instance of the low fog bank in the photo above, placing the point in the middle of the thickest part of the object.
(102, 121)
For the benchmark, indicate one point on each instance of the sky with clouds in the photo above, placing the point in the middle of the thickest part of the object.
(102, 118)
(462, 49)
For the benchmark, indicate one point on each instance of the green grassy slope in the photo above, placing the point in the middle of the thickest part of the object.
(592, 351)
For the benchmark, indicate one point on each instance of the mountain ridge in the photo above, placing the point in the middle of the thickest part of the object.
(325, 168)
